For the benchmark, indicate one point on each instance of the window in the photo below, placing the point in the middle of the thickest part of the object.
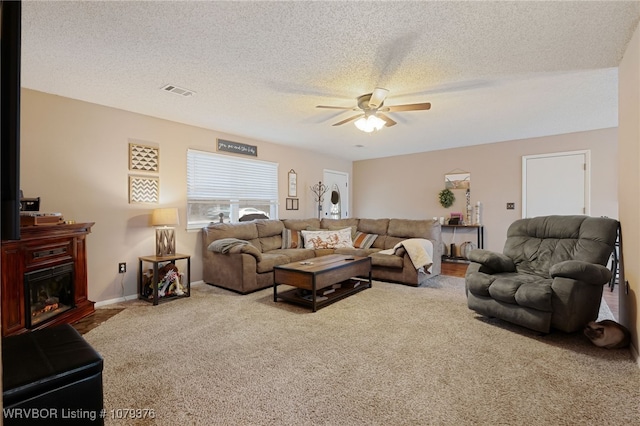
(226, 187)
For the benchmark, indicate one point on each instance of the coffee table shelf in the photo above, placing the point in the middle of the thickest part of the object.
(347, 288)
(337, 275)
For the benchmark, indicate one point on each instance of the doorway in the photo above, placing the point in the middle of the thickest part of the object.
(556, 184)
(336, 199)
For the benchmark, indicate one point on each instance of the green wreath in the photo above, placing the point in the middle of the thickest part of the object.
(446, 198)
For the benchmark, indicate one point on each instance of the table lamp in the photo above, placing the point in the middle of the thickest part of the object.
(165, 220)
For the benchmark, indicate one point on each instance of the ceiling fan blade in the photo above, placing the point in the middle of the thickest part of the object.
(408, 107)
(339, 123)
(388, 120)
(377, 97)
(333, 107)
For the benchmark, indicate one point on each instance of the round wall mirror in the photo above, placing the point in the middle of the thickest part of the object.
(335, 202)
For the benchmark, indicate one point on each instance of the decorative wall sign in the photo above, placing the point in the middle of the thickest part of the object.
(292, 204)
(293, 183)
(460, 180)
(143, 189)
(144, 158)
(237, 148)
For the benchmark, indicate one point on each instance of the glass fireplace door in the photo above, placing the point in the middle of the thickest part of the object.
(48, 292)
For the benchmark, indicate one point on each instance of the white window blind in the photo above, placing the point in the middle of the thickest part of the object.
(222, 177)
(239, 181)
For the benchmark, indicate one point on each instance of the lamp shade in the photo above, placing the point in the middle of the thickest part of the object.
(165, 217)
(370, 123)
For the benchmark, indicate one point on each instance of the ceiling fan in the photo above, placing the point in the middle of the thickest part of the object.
(372, 108)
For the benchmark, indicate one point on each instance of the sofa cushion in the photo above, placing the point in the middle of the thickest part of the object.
(353, 228)
(300, 224)
(269, 227)
(326, 251)
(233, 245)
(513, 288)
(386, 260)
(291, 239)
(536, 244)
(338, 223)
(363, 240)
(243, 231)
(478, 283)
(327, 239)
(271, 243)
(356, 251)
(269, 260)
(375, 226)
(295, 255)
(408, 228)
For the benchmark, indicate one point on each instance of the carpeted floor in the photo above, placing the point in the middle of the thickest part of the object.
(390, 355)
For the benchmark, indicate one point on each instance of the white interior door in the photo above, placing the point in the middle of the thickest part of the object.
(556, 183)
(336, 199)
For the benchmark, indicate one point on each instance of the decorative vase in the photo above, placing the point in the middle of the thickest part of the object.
(467, 219)
(466, 248)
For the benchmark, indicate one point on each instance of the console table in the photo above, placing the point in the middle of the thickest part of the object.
(479, 239)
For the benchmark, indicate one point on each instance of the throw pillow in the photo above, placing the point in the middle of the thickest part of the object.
(354, 229)
(327, 239)
(363, 240)
(291, 239)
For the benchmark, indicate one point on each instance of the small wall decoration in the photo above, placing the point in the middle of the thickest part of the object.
(446, 198)
(144, 158)
(143, 189)
(461, 180)
(455, 219)
(292, 204)
(293, 183)
(237, 148)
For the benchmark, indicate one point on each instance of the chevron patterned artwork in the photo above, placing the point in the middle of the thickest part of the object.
(144, 189)
(143, 158)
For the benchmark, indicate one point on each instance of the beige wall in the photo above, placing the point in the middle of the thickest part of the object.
(629, 191)
(74, 155)
(408, 185)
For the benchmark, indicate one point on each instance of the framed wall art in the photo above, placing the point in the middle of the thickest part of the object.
(144, 189)
(293, 183)
(461, 180)
(144, 158)
(237, 148)
(292, 204)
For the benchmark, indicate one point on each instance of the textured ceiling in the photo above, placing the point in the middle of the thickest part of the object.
(493, 71)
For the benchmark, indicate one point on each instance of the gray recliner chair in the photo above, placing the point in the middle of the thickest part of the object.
(550, 275)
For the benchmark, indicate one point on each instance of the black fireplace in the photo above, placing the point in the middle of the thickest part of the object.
(48, 293)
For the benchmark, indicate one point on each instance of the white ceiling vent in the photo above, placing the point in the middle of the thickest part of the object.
(178, 90)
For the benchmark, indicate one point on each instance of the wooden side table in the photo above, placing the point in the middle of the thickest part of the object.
(150, 292)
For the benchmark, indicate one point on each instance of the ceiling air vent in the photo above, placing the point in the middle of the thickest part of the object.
(178, 90)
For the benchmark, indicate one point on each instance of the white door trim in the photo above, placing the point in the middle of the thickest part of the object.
(587, 178)
(346, 208)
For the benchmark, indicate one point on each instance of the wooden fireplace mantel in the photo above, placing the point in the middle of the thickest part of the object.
(42, 247)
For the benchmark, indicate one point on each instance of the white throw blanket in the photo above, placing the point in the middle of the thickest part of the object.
(420, 252)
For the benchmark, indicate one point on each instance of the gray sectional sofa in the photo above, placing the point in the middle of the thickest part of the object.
(248, 266)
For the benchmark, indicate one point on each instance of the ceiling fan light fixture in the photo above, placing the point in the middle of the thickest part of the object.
(370, 123)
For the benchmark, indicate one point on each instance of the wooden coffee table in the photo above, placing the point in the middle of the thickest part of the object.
(322, 280)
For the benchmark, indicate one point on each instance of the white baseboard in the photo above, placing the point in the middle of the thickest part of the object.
(131, 297)
(116, 300)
